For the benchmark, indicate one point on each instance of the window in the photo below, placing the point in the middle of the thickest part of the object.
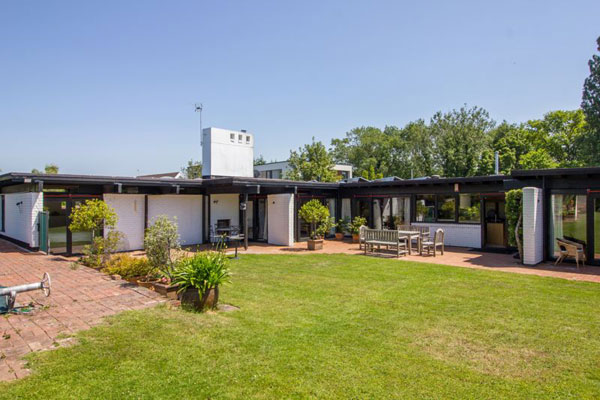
(568, 219)
(469, 208)
(240, 137)
(401, 210)
(247, 139)
(1, 213)
(446, 206)
(425, 208)
(232, 137)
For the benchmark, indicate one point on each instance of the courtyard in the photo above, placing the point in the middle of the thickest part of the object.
(314, 326)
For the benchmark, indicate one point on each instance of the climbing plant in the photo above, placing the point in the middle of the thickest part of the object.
(514, 219)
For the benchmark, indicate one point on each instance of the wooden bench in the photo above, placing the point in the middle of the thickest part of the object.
(387, 238)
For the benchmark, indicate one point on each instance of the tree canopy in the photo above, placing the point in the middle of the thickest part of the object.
(312, 163)
(48, 169)
(193, 170)
(590, 105)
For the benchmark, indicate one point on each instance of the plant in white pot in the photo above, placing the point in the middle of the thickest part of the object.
(317, 216)
(199, 278)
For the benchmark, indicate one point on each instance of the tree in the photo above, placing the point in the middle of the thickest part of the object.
(317, 216)
(411, 150)
(312, 163)
(537, 159)
(590, 104)
(365, 148)
(95, 216)
(370, 174)
(460, 138)
(48, 169)
(193, 170)
(260, 160)
(161, 239)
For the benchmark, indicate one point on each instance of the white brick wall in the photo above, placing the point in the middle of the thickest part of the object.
(225, 206)
(460, 235)
(280, 219)
(533, 219)
(130, 210)
(187, 209)
(21, 221)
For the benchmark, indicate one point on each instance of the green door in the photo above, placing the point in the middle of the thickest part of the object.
(44, 217)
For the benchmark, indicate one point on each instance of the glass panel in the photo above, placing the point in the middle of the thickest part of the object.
(346, 209)
(446, 208)
(80, 239)
(363, 208)
(377, 214)
(425, 208)
(596, 229)
(401, 211)
(262, 219)
(1, 212)
(250, 219)
(57, 223)
(568, 220)
(468, 208)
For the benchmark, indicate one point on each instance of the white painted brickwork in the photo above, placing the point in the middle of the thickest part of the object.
(21, 218)
(225, 206)
(533, 219)
(130, 210)
(280, 211)
(460, 235)
(186, 208)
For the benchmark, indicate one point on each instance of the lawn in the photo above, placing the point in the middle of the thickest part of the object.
(335, 326)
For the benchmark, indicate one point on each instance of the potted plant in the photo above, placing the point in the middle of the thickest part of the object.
(355, 227)
(341, 228)
(316, 215)
(199, 277)
(162, 247)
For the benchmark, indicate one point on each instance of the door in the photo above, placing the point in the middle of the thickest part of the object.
(494, 221)
(57, 208)
(43, 231)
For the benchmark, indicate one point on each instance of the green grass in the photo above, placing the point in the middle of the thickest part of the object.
(334, 326)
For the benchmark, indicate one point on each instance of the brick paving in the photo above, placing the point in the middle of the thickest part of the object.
(80, 298)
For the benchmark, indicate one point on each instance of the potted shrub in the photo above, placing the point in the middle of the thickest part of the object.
(199, 277)
(341, 228)
(162, 245)
(316, 215)
(355, 227)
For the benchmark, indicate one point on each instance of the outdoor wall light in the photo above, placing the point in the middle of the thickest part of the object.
(215, 201)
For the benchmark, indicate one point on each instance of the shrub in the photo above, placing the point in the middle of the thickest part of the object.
(129, 267)
(96, 216)
(315, 214)
(343, 225)
(161, 240)
(203, 271)
(356, 224)
(514, 215)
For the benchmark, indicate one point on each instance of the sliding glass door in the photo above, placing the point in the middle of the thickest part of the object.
(568, 220)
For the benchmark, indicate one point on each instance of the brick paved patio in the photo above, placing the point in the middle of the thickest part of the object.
(80, 298)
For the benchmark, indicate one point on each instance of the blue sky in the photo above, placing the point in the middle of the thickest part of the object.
(109, 87)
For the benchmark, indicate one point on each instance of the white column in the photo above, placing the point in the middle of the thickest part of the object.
(533, 221)
(280, 219)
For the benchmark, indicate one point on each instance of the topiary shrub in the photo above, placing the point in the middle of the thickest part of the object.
(317, 216)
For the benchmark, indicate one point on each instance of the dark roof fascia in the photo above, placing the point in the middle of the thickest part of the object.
(68, 179)
(426, 182)
(531, 173)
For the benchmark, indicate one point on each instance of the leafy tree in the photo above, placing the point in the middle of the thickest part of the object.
(460, 138)
(411, 150)
(316, 215)
(365, 148)
(193, 170)
(95, 216)
(260, 160)
(48, 169)
(590, 105)
(370, 174)
(537, 159)
(312, 162)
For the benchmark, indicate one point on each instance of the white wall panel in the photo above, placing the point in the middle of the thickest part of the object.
(186, 209)
(460, 235)
(130, 210)
(21, 216)
(280, 211)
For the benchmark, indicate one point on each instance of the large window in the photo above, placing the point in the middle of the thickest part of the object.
(1, 213)
(568, 219)
(469, 208)
(425, 208)
(446, 207)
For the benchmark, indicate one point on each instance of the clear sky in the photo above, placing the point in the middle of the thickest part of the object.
(108, 87)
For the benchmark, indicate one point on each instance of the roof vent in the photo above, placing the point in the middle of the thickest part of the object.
(435, 177)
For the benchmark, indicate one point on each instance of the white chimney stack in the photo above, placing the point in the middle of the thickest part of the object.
(227, 153)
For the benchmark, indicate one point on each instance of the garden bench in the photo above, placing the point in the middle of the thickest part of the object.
(388, 238)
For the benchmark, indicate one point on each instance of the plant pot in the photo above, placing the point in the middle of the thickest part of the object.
(147, 283)
(191, 298)
(315, 244)
(166, 289)
(355, 238)
(339, 236)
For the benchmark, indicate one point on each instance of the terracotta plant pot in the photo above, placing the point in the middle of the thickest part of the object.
(166, 289)
(191, 298)
(315, 244)
(355, 238)
(147, 283)
(339, 236)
